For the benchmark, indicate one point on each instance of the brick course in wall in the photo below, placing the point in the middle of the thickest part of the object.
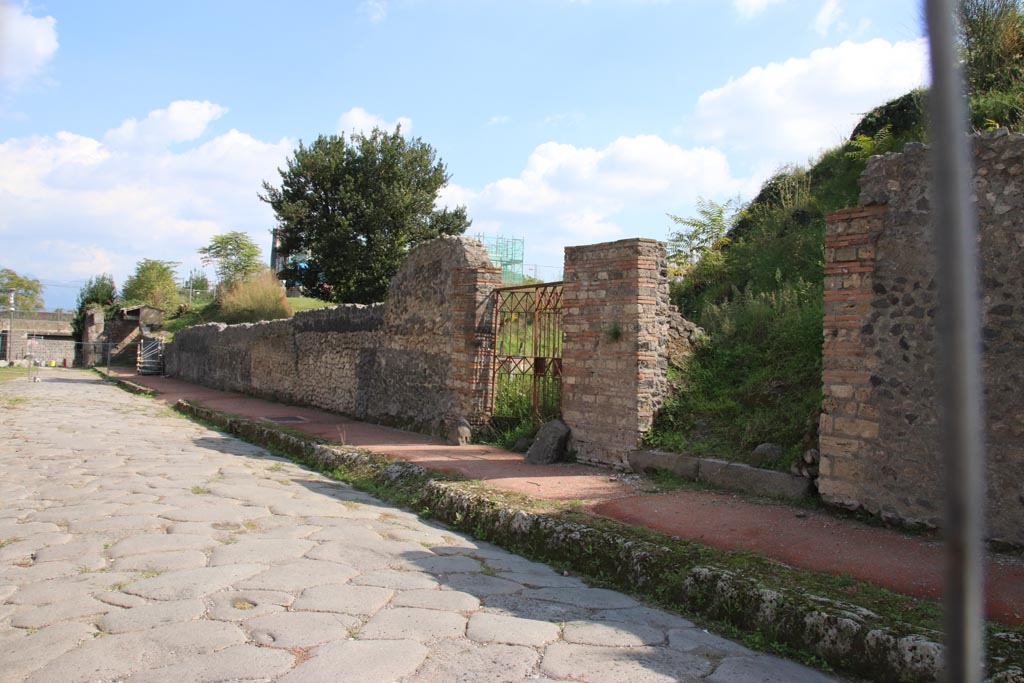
(880, 427)
(619, 330)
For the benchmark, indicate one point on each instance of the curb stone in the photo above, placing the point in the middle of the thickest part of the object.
(847, 637)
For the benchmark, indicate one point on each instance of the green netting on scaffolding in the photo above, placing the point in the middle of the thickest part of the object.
(506, 252)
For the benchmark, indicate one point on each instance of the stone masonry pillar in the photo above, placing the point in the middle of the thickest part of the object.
(616, 316)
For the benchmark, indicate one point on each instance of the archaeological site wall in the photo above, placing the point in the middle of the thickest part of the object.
(419, 360)
(880, 428)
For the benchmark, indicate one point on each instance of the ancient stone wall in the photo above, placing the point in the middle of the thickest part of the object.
(880, 428)
(619, 331)
(418, 360)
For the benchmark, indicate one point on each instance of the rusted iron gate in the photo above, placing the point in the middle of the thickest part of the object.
(526, 375)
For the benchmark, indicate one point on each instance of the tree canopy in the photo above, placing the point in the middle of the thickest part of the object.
(348, 210)
(28, 291)
(99, 290)
(235, 256)
(153, 283)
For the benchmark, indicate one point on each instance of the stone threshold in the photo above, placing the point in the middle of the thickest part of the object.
(731, 476)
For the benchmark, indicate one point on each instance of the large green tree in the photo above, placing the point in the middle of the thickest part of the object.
(153, 283)
(234, 255)
(28, 291)
(98, 291)
(348, 210)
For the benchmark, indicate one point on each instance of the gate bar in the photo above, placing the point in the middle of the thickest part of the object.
(955, 225)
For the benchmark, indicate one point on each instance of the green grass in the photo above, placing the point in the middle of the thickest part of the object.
(305, 303)
(10, 373)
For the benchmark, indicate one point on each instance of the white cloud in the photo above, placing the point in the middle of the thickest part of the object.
(498, 120)
(751, 8)
(375, 10)
(827, 17)
(567, 195)
(75, 206)
(788, 111)
(27, 43)
(182, 121)
(358, 120)
(564, 117)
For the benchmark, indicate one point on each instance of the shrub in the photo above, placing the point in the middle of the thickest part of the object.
(258, 297)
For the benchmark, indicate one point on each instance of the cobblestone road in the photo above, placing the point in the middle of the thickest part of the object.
(137, 546)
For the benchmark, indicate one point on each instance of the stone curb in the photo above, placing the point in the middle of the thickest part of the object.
(847, 637)
(727, 475)
(127, 384)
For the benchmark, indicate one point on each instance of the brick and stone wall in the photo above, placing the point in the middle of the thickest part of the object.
(880, 427)
(619, 331)
(418, 360)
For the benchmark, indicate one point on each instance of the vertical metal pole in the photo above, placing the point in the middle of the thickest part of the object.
(10, 330)
(955, 225)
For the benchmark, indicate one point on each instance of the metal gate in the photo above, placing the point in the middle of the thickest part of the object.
(150, 358)
(526, 380)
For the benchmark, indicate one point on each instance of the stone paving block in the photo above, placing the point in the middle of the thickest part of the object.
(241, 605)
(594, 598)
(481, 585)
(151, 615)
(122, 523)
(359, 661)
(358, 600)
(612, 634)
(622, 664)
(390, 578)
(697, 639)
(72, 551)
(263, 551)
(453, 564)
(161, 562)
(413, 624)
(192, 583)
(118, 599)
(486, 627)
(143, 544)
(446, 600)
(461, 662)
(39, 572)
(541, 610)
(764, 669)
(117, 656)
(300, 629)
(548, 579)
(67, 513)
(348, 533)
(644, 615)
(64, 610)
(299, 574)
(38, 649)
(216, 512)
(240, 662)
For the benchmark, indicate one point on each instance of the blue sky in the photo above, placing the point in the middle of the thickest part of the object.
(133, 130)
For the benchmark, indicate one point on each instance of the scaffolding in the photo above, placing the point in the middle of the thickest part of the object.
(506, 252)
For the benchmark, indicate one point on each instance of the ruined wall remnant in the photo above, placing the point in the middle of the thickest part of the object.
(880, 428)
(619, 332)
(418, 360)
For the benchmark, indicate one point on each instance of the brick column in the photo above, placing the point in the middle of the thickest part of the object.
(849, 422)
(615, 325)
(472, 340)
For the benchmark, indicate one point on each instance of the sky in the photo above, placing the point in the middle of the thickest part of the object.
(132, 130)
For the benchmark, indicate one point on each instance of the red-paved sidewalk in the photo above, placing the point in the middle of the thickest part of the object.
(813, 540)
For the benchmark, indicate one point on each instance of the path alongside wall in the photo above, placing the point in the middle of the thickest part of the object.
(418, 360)
(880, 431)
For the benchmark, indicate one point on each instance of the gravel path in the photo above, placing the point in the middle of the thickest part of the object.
(138, 546)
